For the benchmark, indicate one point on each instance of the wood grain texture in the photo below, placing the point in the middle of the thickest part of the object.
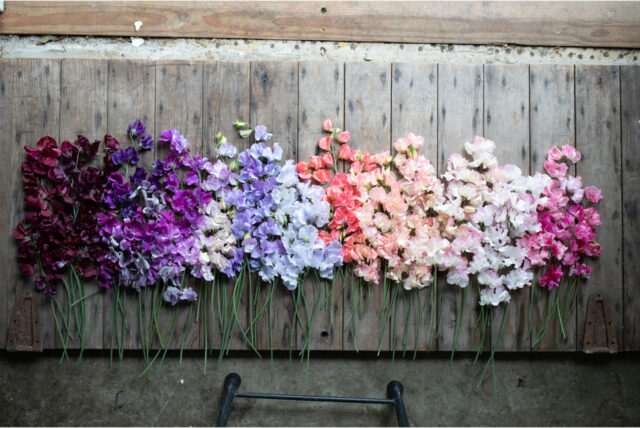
(83, 111)
(603, 24)
(313, 109)
(506, 122)
(552, 124)
(225, 100)
(131, 95)
(598, 139)
(460, 113)
(274, 103)
(368, 119)
(36, 113)
(630, 107)
(179, 106)
(414, 108)
(6, 175)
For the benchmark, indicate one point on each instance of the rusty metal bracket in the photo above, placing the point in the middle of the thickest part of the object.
(599, 332)
(24, 330)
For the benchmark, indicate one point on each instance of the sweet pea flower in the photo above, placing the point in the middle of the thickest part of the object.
(227, 150)
(327, 125)
(555, 154)
(325, 143)
(551, 277)
(177, 142)
(593, 194)
(261, 133)
(344, 137)
(570, 153)
(136, 128)
(554, 169)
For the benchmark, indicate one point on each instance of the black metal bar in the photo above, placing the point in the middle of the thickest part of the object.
(394, 391)
(231, 385)
(316, 398)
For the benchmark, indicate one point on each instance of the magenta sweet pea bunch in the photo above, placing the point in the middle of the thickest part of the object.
(566, 239)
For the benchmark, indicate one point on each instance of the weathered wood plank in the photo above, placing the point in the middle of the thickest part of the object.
(6, 176)
(529, 23)
(36, 113)
(226, 99)
(552, 124)
(460, 112)
(321, 96)
(506, 121)
(598, 139)
(368, 119)
(83, 111)
(131, 95)
(630, 106)
(274, 103)
(179, 106)
(414, 108)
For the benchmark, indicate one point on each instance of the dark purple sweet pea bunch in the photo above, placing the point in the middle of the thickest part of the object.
(63, 193)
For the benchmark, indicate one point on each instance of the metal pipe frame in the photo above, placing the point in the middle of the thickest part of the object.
(232, 383)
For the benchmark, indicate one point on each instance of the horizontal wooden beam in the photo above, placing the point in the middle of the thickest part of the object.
(602, 24)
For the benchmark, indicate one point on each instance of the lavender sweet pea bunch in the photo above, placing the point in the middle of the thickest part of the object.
(302, 212)
(278, 216)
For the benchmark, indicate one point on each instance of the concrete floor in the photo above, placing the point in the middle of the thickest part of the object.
(538, 389)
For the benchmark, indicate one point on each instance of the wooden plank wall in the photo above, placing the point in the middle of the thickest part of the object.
(547, 23)
(525, 109)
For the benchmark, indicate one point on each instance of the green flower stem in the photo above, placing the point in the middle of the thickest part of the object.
(459, 319)
(187, 327)
(394, 304)
(560, 319)
(440, 306)
(532, 296)
(485, 321)
(431, 300)
(203, 296)
(407, 304)
(272, 286)
(494, 346)
(64, 345)
(156, 305)
(141, 328)
(85, 297)
(162, 350)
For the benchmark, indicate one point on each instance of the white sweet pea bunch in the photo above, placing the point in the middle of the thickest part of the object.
(493, 207)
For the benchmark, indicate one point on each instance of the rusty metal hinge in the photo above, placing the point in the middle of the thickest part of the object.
(599, 332)
(24, 330)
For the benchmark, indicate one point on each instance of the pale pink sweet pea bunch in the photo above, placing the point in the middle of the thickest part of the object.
(426, 249)
(568, 219)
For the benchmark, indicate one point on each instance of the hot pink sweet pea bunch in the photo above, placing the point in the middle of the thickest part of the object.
(568, 219)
